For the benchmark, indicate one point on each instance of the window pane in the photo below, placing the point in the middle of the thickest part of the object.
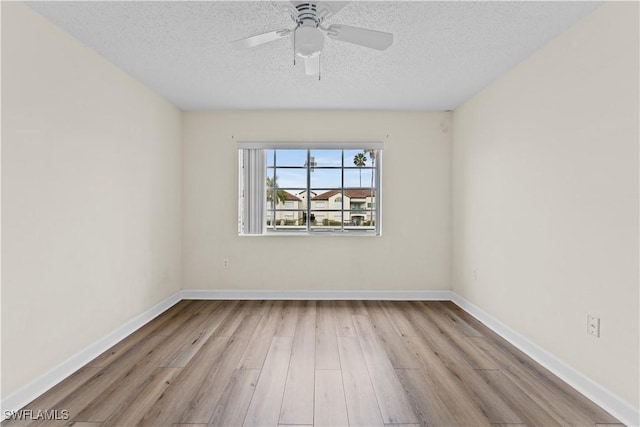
(284, 200)
(357, 178)
(326, 220)
(286, 219)
(326, 178)
(269, 156)
(324, 158)
(326, 199)
(356, 158)
(359, 219)
(290, 178)
(291, 158)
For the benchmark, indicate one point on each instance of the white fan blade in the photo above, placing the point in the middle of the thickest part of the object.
(312, 65)
(288, 5)
(326, 9)
(363, 37)
(259, 39)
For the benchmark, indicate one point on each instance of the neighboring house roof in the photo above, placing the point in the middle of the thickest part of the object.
(291, 197)
(359, 193)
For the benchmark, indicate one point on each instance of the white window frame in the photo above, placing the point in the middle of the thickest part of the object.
(253, 212)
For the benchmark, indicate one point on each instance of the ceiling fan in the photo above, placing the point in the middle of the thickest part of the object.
(308, 33)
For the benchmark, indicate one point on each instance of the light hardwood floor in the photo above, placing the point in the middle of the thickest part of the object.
(322, 363)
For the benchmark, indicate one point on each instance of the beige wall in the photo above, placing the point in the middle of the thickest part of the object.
(410, 255)
(545, 197)
(90, 197)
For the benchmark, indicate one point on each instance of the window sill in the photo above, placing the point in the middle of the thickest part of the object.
(313, 234)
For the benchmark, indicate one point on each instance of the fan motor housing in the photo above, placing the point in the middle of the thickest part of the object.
(306, 11)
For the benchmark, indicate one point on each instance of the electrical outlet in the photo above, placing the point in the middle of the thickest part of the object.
(475, 274)
(593, 325)
(225, 263)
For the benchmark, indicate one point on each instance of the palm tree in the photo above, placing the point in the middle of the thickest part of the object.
(372, 156)
(371, 153)
(281, 195)
(360, 160)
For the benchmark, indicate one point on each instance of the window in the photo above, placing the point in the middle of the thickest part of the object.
(288, 188)
(338, 202)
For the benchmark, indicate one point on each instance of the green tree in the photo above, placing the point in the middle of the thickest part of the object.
(272, 186)
(360, 160)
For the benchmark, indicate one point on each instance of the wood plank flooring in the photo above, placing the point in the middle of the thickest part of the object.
(315, 363)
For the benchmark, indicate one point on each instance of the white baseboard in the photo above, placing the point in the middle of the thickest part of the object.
(598, 394)
(29, 392)
(610, 402)
(319, 295)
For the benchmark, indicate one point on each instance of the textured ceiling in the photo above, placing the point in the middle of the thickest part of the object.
(443, 52)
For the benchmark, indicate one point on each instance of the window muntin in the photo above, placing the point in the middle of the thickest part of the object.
(316, 190)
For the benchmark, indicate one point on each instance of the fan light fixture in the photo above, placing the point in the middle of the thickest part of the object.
(309, 41)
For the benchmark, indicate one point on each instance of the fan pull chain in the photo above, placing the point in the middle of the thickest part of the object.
(319, 67)
(294, 47)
